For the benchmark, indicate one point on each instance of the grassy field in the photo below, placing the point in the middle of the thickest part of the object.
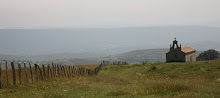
(194, 79)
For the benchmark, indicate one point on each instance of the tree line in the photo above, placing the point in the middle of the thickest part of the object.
(210, 54)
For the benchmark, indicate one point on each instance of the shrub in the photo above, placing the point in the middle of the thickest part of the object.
(208, 55)
(144, 62)
(152, 68)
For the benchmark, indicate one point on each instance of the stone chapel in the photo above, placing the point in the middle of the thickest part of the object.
(180, 54)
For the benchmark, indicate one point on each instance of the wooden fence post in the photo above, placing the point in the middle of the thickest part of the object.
(1, 86)
(48, 70)
(44, 70)
(69, 71)
(65, 70)
(6, 65)
(94, 71)
(85, 71)
(58, 70)
(88, 72)
(77, 71)
(51, 73)
(14, 74)
(37, 78)
(91, 72)
(53, 70)
(41, 74)
(32, 78)
(26, 72)
(97, 69)
(19, 72)
(72, 70)
(61, 68)
(80, 71)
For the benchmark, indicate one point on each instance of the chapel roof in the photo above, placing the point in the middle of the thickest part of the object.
(187, 49)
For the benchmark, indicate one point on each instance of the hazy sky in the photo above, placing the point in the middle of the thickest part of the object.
(107, 13)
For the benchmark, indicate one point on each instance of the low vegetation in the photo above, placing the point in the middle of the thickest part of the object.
(193, 79)
(210, 54)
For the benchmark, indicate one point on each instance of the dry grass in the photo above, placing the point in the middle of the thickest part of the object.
(87, 66)
(196, 79)
(23, 75)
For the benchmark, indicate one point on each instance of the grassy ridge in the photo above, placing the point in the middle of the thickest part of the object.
(132, 57)
(194, 79)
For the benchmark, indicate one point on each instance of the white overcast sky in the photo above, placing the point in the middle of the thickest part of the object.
(107, 13)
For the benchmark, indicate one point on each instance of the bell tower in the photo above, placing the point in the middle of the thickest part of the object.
(175, 45)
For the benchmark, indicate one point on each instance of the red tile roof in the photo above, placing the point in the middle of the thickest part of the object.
(187, 49)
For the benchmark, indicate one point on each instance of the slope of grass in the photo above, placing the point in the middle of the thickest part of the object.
(194, 79)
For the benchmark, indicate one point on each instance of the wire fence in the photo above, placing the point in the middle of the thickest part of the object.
(25, 73)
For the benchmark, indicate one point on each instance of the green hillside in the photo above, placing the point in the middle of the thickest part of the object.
(152, 55)
(189, 80)
(82, 61)
(132, 57)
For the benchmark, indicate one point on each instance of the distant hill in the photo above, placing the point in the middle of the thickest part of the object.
(82, 61)
(50, 57)
(151, 55)
(205, 45)
(104, 40)
(136, 56)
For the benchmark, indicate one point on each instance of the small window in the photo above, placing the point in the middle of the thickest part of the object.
(175, 46)
(175, 56)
